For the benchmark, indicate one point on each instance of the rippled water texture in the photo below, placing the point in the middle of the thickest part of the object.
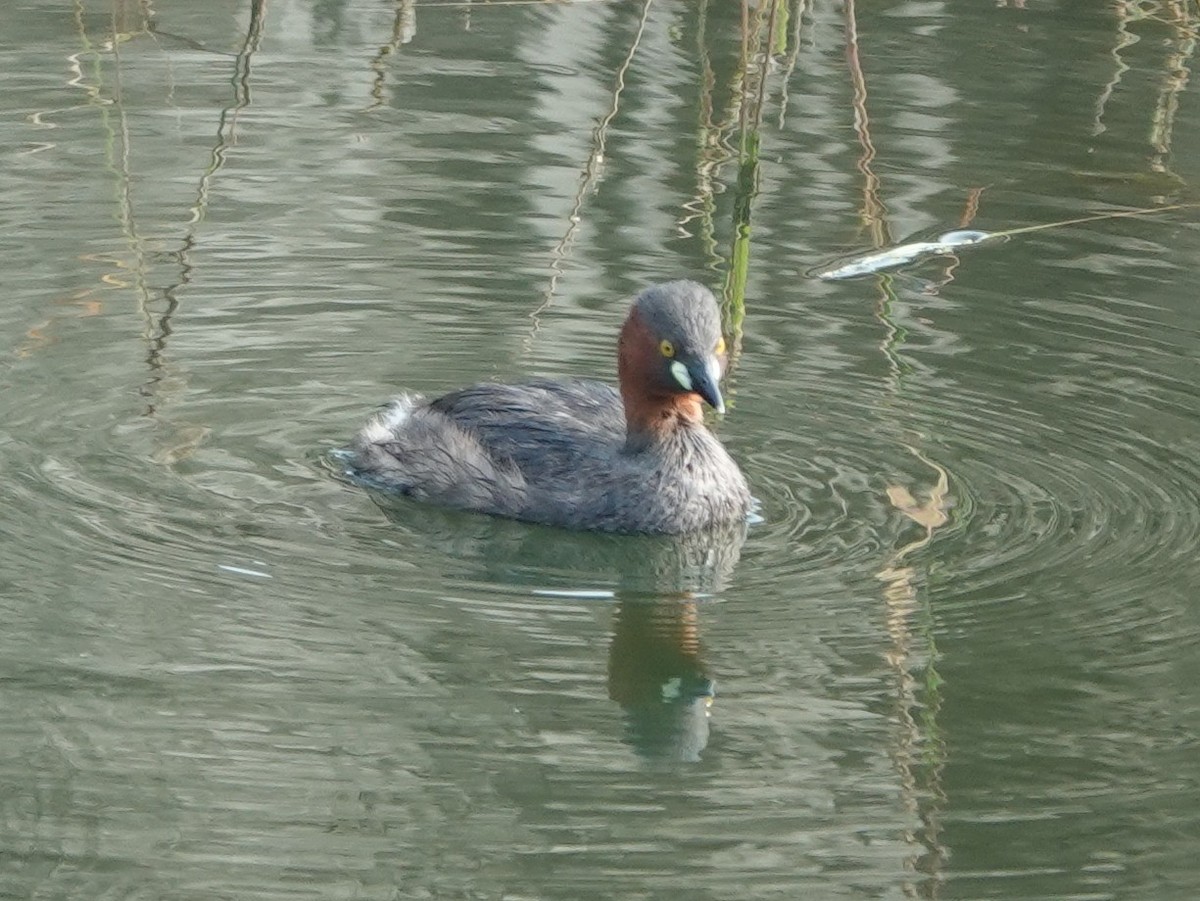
(958, 657)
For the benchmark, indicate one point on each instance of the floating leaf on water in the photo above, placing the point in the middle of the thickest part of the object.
(930, 514)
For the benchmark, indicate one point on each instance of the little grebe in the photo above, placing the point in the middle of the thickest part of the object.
(575, 453)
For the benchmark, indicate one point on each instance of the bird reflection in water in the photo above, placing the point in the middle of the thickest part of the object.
(656, 672)
(656, 668)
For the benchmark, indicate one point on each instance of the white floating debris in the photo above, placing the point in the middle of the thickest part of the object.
(581, 594)
(901, 254)
(242, 571)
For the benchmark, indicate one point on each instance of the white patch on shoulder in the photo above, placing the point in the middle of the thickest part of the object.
(384, 426)
(682, 375)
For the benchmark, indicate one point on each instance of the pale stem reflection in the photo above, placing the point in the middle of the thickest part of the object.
(587, 180)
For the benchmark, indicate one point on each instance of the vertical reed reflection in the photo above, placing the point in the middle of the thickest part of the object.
(404, 29)
(587, 178)
(796, 18)
(1180, 45)
(874, 212)
(918, 754)
(129, 20)
(759, 40)
(1176, 73)
(762, 34)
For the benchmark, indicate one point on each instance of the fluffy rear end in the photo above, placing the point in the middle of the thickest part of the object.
(424, 454)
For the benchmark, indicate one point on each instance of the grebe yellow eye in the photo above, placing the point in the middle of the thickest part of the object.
(666, 348)
(719, 350)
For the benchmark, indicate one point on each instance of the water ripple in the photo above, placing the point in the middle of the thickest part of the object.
(1083, 474)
